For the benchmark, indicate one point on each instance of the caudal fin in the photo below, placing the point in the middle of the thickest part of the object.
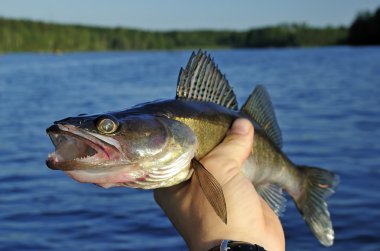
(318, 185)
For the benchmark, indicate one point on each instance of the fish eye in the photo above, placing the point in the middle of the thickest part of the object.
(107, 124)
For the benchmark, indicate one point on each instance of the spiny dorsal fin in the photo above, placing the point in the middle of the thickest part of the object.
(259, 107)
(273, 196)
(201, 80)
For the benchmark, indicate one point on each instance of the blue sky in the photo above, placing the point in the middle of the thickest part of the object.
(190, 14)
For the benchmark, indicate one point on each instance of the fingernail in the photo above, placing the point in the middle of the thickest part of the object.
(240, 127)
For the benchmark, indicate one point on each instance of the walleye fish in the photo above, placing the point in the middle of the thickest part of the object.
(159, 144)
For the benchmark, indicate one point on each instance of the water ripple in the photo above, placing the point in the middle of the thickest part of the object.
(326, 100)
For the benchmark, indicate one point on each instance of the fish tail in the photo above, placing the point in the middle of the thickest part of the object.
(318, 184)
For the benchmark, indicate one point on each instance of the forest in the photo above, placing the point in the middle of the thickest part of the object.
(27, 35)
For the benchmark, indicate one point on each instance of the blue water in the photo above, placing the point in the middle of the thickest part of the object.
(328, 105)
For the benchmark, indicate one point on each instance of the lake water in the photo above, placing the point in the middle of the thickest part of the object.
(327, 102)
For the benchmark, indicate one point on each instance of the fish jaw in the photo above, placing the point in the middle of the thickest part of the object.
(109, 178)
(90, 158)
(77, 149)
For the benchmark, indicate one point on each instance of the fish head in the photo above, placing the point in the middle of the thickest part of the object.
(143, 151)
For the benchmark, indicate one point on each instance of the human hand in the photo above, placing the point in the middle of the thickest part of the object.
(250, 219)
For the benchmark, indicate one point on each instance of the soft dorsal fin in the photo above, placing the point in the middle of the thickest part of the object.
(259, 107)
(201, 80)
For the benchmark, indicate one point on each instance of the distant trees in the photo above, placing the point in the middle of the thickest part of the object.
(365, 30)
(22, 35)
(295, 35)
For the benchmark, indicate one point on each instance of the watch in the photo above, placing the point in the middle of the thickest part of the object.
(228, 245)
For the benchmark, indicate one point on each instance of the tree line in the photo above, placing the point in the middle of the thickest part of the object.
(25, 35)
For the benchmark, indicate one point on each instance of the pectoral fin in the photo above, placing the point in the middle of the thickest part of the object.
(212, 189)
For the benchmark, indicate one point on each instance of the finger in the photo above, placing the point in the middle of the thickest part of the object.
(234, 149)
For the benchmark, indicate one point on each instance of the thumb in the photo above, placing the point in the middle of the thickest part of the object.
(234, 149)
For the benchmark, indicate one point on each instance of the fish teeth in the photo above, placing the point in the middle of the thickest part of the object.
(83, 157)
(88, 158)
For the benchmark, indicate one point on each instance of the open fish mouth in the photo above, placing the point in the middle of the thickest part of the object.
(157, 152)
(76, 149)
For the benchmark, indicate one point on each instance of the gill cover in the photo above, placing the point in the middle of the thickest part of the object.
(149, 138)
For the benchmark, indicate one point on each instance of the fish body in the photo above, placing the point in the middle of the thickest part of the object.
(158, 144)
